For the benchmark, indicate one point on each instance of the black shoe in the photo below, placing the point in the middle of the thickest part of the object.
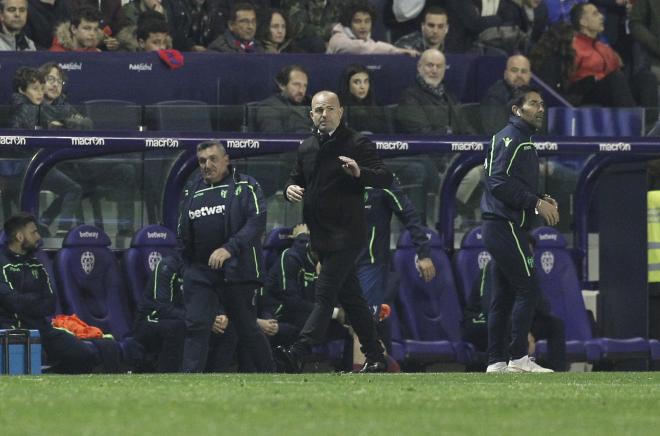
(287, 360)
(374, 366)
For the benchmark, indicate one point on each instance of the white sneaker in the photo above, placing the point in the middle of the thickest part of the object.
(497, 367)
(526, 364)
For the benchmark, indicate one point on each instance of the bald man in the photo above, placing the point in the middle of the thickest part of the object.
(426, 106)
(494, 111)
(333, 167)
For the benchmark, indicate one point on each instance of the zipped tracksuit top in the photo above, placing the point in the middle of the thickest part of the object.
(163, 295)
(26, 296)
(379, 204)
(244, 223)
(512, 175)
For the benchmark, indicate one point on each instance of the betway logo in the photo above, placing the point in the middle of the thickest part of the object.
(161, 143)
(156, 235)
(549, 146)
(89, 234)
(12, 140)
(206, 211)
(547, 237)
(243, 143)
(391, 145)
(140, 67)
(90, 140)
(614, 146)
(71, 66)
(467, 146)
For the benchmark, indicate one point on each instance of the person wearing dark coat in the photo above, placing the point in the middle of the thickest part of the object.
(357, 94)
(43, 18)
(427, 107)
(331, 172)
(288, 110)
(241, 31)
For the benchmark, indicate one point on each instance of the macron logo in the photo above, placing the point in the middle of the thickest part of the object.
(89, 234)
(547, 237)
(206, 211)
(156, 235)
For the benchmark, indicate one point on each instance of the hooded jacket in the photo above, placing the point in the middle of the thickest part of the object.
(244, 225)
(63, 40)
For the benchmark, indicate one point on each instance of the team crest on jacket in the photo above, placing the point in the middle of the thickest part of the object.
(483, 258)
(507, 141)
(87, 262)
(153, 259)
(547, 261)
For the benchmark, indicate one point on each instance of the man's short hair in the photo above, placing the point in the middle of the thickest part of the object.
(284, 75)
(16, 223)
(86, 13)
(576, 14)
(211, 143)
(24, 76)
(434, 10)
(353, 8)
(151, 22)
(520, 96)
(242, 6)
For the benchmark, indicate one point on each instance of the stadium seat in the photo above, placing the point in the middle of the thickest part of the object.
(431, 312)
(468, 261)
(596, 121)
(559, 282)
(148, 246)
(88, 277)
(278, 240)
(179, 116)
(108, 114)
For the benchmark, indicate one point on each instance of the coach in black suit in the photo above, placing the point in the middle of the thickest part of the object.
(333, 167)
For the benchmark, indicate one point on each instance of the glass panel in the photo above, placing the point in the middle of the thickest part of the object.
(13, 163)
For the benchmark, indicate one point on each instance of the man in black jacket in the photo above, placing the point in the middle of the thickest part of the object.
(286, 111)
(331, 172)
(27, 301)
(509, 203)
(222, 221)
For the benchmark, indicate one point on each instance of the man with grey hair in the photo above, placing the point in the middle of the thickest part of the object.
(333, 168)
(13, 17)
(220, 228)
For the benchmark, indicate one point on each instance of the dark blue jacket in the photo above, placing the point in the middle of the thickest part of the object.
(163, 295)
(26, 296)
(512, 175)
(379, 204)
(288, 293)
(245, 223)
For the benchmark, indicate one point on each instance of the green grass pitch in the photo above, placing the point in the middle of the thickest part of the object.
(332, 404)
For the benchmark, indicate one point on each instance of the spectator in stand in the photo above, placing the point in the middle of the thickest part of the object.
(471, 20)
(82, 33)
(43, 18)
(356, 93)
(273, 33)
(537, 16)
(288, 110)
(110, 12)
(55, 105)
(494, 113)
(242, 28)
(30, 112)
(311, 22)
(352, 35)
(195, 23)
(434, 28)
(151, 34)
(13, 17)
(131, 11)
(426, 107)
(645, 28)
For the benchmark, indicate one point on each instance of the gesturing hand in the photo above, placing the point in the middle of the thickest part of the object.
(218, 257)
(349, 166)
(426, 269)
(220, 324)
